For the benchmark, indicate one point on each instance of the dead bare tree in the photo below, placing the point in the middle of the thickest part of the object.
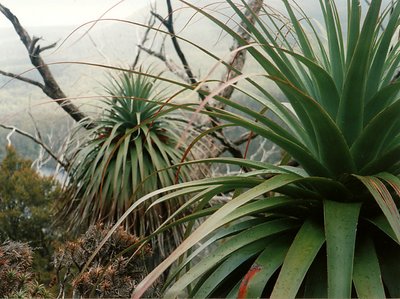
(236, 63)
(49, 86)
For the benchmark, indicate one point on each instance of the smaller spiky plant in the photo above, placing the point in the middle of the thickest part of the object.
(16, 277)
(127, 154)
(111, 274)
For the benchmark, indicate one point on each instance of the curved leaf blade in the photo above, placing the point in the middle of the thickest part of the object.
(385, 125)
(367, 274)
(236, 243)
(299, 258)
(227, 267)
(211, 224)
(350, 117)
(264, 267)
(385, 201)
(341, 219)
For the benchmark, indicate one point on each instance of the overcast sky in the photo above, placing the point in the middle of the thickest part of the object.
(77, 12)
(67, 12)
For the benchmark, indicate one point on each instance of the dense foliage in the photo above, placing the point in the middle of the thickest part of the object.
(27, 202)
(16, 276)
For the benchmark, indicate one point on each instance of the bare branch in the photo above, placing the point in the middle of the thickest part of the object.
(50, 86)
(160, 54)
(37, 141)
(97, 48)
(244, 138)
(237, 62)
(151, 52)
(169, 24)
(47, 47)
(160, 18)
(21, 78)
(232, 146)
(150, 24)
(170, 64)
(227, 145)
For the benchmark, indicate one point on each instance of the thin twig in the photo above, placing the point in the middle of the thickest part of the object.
(169, 24)
(37, 141)
(21, 78)
(150, 24)
(170, 64)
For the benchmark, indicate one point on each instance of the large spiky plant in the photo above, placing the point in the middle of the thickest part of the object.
(330, 227)
(127, 153)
